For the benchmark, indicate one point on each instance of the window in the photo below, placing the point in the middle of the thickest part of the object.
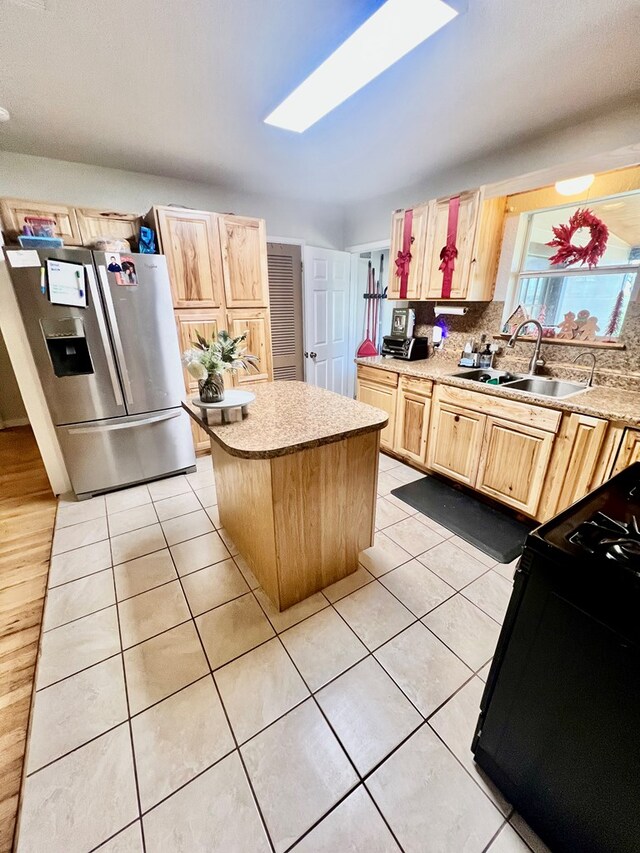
(574, 302)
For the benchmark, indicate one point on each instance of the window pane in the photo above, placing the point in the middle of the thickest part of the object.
(620, 214)
(590, 298)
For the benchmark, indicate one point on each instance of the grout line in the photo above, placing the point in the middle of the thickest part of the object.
(126, 693)
(115, 835)
(222, 705)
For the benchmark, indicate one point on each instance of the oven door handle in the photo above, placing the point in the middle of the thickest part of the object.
(111, 427)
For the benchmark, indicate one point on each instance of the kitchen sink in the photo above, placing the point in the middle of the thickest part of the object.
(545, 387)
(488, 376)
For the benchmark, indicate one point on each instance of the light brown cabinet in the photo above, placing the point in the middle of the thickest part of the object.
(15, 210)
(255, 322)
(418, 247)
(455, 441)
(243, 245)
(190, 240)
(629, 450)
(513, 463)
(465, 243)
(413, 406)
(97, 224)
(379, 388)
(478, 241)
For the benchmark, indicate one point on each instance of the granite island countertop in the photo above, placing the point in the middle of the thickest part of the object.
(613, 404)
(287, 417)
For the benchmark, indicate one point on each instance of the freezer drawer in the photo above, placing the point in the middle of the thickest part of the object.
(118, 452)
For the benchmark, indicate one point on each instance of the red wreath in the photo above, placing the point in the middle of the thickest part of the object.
(568, 253)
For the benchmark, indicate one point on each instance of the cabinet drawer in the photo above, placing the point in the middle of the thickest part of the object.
(416, 386)
(378, 375)
(522, 413)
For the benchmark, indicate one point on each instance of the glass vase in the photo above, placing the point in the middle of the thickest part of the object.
(212, 388)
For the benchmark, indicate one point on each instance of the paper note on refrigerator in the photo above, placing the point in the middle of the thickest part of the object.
(66, 283)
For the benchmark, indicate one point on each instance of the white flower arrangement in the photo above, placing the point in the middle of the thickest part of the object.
(222, 353)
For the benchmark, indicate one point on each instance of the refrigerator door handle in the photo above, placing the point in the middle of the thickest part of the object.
(108, 354)
(110, 427)
(117, 341)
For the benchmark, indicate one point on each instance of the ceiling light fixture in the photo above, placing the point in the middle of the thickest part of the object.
(389, 34)
(4, 114)
(573, 186)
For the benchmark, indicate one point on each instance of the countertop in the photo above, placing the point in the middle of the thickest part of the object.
(614, 404)
(287, 417)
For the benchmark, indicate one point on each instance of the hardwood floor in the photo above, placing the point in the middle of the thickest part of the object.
(27, 513)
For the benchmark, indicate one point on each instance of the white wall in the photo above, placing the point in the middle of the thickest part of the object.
(43, 179)
(588, 146)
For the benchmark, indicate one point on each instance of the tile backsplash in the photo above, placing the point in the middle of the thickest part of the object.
(618, 368)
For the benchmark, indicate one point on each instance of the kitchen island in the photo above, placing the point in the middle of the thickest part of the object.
(296, 483)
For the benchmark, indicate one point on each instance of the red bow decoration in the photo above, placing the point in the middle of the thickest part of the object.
(448, 255)
(402, 263)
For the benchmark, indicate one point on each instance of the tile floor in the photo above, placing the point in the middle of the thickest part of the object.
(177, 710)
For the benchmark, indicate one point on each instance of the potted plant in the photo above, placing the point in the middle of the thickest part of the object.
(209, 360)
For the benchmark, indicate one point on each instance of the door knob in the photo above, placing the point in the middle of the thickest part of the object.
(306, 355)
(313, 354)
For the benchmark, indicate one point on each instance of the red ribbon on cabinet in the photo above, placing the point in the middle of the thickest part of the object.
(404, 257)
(449, 253)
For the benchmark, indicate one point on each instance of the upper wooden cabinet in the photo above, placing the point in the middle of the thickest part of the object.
(96, 224)
(244, 262)
(191, 243)
(255, 323)
(478, 241)
(14, 211)
(419, 228)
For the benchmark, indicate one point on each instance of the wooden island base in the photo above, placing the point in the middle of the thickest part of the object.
(300, 520)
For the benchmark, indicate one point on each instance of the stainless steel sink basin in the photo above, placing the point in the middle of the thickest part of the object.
(487, 375)
(545, 387)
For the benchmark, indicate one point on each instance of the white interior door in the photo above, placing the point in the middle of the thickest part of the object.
(326, 318)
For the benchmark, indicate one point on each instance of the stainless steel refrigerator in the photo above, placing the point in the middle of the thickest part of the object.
(108, 361)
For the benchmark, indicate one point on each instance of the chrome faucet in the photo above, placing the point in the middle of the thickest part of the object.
(591, 355)
(536, 361)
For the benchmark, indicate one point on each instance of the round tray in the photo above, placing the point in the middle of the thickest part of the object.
(232, 400)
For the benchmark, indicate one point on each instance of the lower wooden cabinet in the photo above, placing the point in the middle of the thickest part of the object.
(413, 407)
(255, 322)
(455, 442)
(513, 463)
(382, 397)
(629, 450)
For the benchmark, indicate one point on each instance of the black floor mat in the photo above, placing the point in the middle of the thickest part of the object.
(490, 529)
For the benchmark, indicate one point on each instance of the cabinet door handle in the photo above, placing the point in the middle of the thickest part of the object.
(456, 418)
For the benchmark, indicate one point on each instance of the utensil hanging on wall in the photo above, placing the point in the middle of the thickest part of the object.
(368, 347)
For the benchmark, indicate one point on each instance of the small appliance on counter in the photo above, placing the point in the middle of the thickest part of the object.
(560, 713)
(401, 343)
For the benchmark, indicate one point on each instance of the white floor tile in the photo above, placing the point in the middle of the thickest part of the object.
(188, 526)
(383, 555)
(76, 710)
(374, 614)
(74, 512)
(197, 553)
(82, 799)
(425, 794)
(127, 841)
(152, 612)
(258, 688)
(217, 809)
(491, 593)
(78, 598)
(233, 629)
(452, 564)
(456, 723)
(347, 585)
(387, 514)
(79, 535)
(524, 830)
(322, 647)
(213, 586)
(144, 573)
(413, 536)
(418, 588)
(207, 496)
(132, 519)
(293, 787)
(283, 619)
(426, 671)
(177, 739)
(508, 841)
(178, 505)
(127, 499)
(466, 629)
(168, 488)
(79, 563)
(369, 713)
(137, 543)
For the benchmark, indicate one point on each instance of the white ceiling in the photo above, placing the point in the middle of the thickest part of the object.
(180, 87)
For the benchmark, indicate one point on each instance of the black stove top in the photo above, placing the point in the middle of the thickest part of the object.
(605, 525)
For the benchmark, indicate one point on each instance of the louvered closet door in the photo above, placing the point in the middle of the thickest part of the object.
(285, 299)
